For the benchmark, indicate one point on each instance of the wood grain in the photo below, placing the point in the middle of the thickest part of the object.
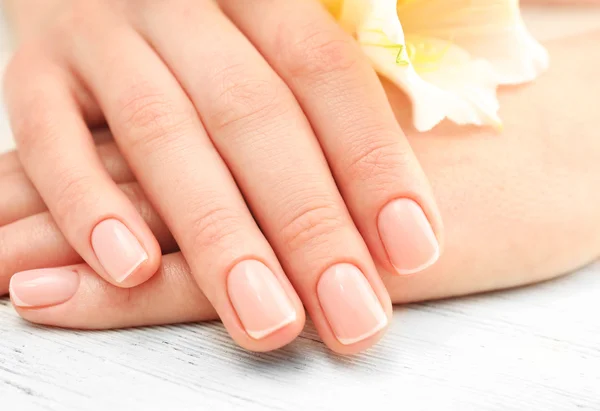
(535, 348)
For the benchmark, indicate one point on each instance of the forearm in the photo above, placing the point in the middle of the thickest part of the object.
(523, 205)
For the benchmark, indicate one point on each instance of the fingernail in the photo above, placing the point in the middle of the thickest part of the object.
(117, 249)
(350, 304)
(408, 238)
(42, 288)
(259, 299)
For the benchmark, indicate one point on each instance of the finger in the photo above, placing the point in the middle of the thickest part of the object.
(37, 242)
(75, 297)
(58, 153)
(380, 178)
(262, 134)
(9, 163)
(20, 198)
(114, 163)
(163, 139)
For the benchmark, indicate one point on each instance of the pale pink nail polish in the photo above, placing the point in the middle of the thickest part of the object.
(43, 288)
(117, 249)
(259, 299)
(350, 304)
(408, 238)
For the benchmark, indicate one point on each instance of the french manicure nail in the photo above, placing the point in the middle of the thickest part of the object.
(43, 288)
(407, 236)
(260, 301)
(350, 304)
(117, 249)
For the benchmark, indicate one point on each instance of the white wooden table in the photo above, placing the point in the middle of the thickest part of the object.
(536, 348)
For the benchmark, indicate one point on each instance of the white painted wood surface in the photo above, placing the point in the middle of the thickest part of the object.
(536, 348)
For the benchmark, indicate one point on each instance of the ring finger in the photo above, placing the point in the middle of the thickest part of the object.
(263, 136)
(380, 178)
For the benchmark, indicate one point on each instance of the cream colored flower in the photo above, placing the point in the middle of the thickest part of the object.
(449, 56)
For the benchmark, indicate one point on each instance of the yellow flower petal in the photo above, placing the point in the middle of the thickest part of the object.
(488, 29)
(449, 56)
(333, 6)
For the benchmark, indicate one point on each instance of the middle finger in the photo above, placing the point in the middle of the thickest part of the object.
(379, 177)
(262, 134)
(160, 135)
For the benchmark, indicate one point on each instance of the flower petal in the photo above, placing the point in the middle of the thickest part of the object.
(488, 29)
(449, 56)
(333, 6)
(442, 80)
(453, 86)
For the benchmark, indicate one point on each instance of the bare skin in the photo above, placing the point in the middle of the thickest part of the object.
(239, 138)
(519, 207)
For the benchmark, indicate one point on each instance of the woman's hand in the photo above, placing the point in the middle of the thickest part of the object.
(260, 134)
(520, 207)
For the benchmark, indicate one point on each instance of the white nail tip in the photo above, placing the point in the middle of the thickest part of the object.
(427, 264)
(349, 341)
(16, 300)
(260, 334)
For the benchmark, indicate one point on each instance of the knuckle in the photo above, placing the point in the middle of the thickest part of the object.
(142, 108)
(39, 133)
(312, 225)
(213, 225)
(74, 196)
(318, 52)
(374, 158)
(31, 132)
(242, 100)
(149, 120)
